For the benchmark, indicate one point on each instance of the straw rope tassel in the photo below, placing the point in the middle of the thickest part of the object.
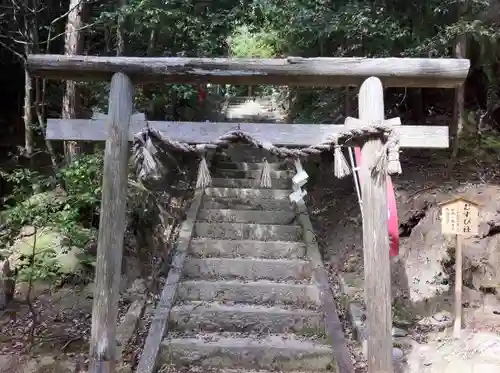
(265, 176)
(204, 179)
(341, 167)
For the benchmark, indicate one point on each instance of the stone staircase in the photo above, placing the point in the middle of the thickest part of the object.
(246, 299)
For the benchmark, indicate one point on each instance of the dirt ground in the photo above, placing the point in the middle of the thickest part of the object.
(422, 274)
(58, 342)
(63, 315)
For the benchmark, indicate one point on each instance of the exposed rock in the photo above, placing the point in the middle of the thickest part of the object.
(472, 298)
(7, 283)
(26, 231)
(439, 321)
(398, 332)
(45, 198)
(397, 354)
(138, 287)
(88, 291)
(429, 255)
(352, 264)
(124, 368)
(442, 316)
(49, 363)
(5, 253)
(46, 242)
(128, 324)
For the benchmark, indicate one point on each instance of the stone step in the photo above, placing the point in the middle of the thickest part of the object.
(251, 174)
(172, 368)
(249, 183)
(247, 157)
(248, 193)
(247, 216)
(246, 318)
(245, 231)
(245, 166)
(232, 350)
(247, 154)
(247, 204)
(253, 292)
(207, 247)
(252, 269)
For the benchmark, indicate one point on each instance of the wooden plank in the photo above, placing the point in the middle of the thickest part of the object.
(158, 328)
(377, 272)
(111, 228)
(457, 324)
(334, 327)
(294, 71)
(278, 133)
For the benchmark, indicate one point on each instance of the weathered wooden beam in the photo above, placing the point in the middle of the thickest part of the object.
(294, 71)
(111, 227)
(333, 325)
(202, 132)
(159, 322)
(377, 272)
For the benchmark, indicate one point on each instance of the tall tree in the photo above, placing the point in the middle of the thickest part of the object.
(460, 51)
(73, 44)
(120, 32)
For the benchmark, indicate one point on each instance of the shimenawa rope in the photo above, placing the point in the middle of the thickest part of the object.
(388, 160)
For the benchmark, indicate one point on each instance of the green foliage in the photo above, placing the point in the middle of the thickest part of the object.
(245, 43)
(270, 28)
(82, 180)
(68, 203)
(41, 267)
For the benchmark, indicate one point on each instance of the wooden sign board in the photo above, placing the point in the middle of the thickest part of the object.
(459, 216)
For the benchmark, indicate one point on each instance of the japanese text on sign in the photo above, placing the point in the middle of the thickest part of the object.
(459, 217)
(449, 220)
(466, 219)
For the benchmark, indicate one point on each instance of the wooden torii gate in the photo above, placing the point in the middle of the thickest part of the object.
(120, 126)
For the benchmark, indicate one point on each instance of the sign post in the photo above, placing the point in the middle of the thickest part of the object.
(459, 217)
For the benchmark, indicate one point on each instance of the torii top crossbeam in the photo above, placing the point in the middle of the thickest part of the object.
(293, 71)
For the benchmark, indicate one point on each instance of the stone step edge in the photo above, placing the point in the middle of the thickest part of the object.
(232, 212)
(282, 269)
(252, 174)
(259, 242)
(236, 192)
(172, 368)
(252, 307)
(275, 352)
(312, 299)
(227, 223)
(208, 240)
(235, 313)
(253, 260)
(255, 181)
(204, 247)
(235, 339)
(222, 164)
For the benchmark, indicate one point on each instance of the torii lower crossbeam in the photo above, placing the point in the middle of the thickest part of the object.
(282, 134)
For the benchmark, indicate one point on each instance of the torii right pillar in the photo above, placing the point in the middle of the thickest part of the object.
(377, 273)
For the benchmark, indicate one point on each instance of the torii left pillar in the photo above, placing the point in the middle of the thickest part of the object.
(111, 227)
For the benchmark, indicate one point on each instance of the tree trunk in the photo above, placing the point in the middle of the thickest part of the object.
(458, 109)
(29, 144)
(28, 117)
(120, 37)
(72, 45)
